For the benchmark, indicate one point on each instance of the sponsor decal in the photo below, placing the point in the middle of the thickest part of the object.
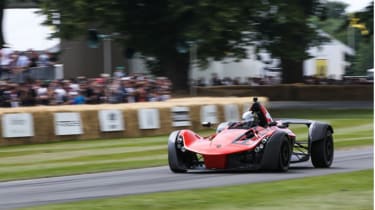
(111, 120)
(180, 116)
(68, 123)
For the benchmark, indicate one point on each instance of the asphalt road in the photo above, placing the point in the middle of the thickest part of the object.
(70, 188)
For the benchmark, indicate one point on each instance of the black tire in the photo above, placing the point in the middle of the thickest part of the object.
(284, 155)
(277, 153)
(322, 151)
(175, 156)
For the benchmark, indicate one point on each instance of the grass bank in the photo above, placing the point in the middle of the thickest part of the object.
(339, 191)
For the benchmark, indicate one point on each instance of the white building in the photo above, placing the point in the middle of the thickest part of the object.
(328, 60)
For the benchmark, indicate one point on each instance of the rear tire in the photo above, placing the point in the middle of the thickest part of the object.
(322, 151)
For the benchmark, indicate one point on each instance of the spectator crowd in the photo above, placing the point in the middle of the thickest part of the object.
(19, 87)
(81, 90)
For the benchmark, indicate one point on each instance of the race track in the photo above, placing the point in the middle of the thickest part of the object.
(70, 188)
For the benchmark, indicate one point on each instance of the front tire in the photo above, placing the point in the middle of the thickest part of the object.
(277, 153)
(284, 155)
(175, 156)
(322, 151)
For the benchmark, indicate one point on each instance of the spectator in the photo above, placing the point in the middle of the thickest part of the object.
(119, 72)
(14, 98)
(42, 94)
(59, 94)
(27, 95)
(43, 60)
(215, 80)
(76, 98)
(128, 90)
(33, 57)
(5, 62)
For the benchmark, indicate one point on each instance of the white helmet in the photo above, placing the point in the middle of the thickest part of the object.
(248, 116)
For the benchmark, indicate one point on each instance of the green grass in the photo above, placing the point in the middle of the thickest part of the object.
(339, 191)
(352, 128)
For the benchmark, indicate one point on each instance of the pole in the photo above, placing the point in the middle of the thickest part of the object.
(107, 56)
(192, 61)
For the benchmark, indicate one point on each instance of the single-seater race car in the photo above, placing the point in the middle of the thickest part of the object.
(254, 143)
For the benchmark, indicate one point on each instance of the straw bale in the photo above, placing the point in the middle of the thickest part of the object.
(90, 124)
(44, 129)
(44, 118)
(131, 123)
(195, 116)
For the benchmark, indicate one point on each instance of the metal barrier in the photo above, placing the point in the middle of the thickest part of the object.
(42, 73)
(36, 73)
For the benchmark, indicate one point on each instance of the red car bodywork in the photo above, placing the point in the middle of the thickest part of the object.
(215, 148)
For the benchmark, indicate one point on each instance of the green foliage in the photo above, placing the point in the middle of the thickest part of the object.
(364, 58)
(337, 25)
(150, 26)
(284, 30)
(335, 9)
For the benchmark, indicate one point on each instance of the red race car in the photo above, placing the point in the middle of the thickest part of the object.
(255, 143)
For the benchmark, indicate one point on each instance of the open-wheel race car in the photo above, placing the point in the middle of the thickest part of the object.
(254, 143)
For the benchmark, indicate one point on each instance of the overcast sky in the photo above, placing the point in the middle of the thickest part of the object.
(22, 29)
(355, 5)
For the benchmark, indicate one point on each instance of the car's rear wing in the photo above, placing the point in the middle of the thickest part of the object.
(287, 122)
(317, 129)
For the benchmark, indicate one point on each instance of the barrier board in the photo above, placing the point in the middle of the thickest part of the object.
(17, 125)
(111, 120)
(68, 123)
(180, 116)
(209, 114)
(148, 118)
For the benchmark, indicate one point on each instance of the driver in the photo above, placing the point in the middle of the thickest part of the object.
(248, 120)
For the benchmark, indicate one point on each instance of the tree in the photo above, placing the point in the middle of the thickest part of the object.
(335, 9)
(2, 7)
(285, 30)
(166, 29)
(163, 30)
(364, 58)
(361, 26)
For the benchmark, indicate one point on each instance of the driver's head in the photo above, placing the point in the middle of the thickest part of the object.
(248, 116)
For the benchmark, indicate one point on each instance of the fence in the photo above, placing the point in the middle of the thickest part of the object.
(36, 73)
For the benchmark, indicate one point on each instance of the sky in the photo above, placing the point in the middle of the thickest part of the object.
(22, 29)
(355, 5)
